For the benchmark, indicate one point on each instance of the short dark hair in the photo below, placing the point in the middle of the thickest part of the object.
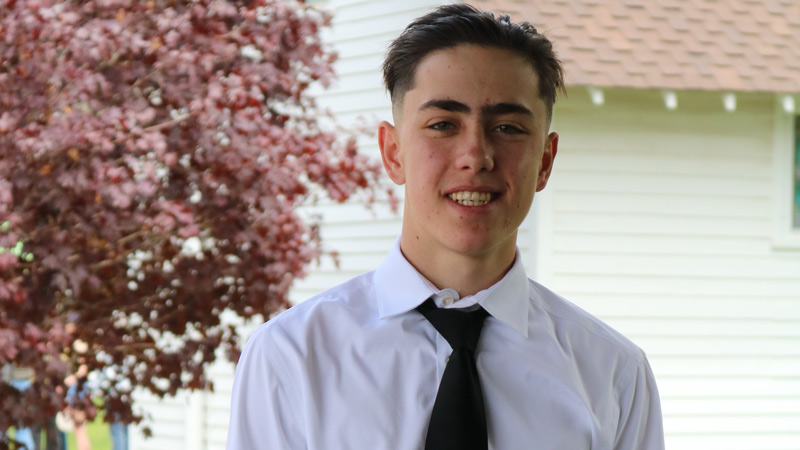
(454, 24)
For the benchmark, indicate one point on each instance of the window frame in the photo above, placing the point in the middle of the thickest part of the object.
(785, 234)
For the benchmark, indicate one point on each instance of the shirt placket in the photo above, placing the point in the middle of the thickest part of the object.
(443, 298)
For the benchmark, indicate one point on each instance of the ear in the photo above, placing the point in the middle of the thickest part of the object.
(390, 152)
(548, 157)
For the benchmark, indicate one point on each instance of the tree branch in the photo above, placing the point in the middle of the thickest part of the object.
(168, 123)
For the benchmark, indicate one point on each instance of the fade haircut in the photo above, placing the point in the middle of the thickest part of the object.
(454, 24)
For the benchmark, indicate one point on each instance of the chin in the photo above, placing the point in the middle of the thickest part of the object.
(475, 247)
(494, 240)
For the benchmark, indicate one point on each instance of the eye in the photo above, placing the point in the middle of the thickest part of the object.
(442, 126)
(509, 129)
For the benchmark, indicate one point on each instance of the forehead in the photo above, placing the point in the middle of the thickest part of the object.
(474, 75)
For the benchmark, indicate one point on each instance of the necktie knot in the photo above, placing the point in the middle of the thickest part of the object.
(461, 329)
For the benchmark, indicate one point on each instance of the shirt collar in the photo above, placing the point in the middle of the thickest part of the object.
(401, 288)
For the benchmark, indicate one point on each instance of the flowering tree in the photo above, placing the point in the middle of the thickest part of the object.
(152, 156)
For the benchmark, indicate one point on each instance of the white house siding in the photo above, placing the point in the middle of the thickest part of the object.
(167, 421)
(661, 224)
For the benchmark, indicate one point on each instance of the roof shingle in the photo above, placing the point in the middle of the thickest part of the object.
(725, 45)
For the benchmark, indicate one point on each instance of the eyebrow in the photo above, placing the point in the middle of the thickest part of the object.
(447, 105)
(499, 109)
(496, 109)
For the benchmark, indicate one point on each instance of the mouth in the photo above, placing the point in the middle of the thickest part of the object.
(467, 198)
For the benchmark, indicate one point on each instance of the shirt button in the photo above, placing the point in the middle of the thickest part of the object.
(447, 301)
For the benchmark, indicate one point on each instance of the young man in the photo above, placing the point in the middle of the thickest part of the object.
(363, 366)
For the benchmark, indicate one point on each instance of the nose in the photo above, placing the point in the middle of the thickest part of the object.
(476, 152)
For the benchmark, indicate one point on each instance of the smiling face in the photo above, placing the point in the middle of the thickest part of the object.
(471, 145)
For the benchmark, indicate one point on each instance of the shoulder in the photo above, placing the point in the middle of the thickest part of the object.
(322, 314)
(583, 327)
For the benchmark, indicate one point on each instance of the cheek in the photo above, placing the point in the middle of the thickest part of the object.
(526, 187)
(429, 168)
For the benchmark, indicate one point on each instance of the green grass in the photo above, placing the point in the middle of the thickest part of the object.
(98, 435)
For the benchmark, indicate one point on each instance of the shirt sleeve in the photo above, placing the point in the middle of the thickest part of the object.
(265, 408)
(640, 425)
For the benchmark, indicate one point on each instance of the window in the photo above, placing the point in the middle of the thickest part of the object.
(786, 177)
(796, 172)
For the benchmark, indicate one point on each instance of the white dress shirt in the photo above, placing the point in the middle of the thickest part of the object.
(358, 368)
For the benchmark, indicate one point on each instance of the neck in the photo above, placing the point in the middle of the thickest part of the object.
(466, 274)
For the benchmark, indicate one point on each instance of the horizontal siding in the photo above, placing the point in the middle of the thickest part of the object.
(734, 441)
(745, 205)
(612, 182)
(360, 34)
(716, 327)
(648, 244)
(729, 346)
(358, 13)
(361, 237)
(721, 366)
(217, 405)
(775, 405)
(645, 286)
(675, 304)
(166, 419)
(691, 267)
(169, 417)
(583, 157)
(661, 225)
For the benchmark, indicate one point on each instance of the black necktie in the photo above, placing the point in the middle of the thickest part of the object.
(458, 420)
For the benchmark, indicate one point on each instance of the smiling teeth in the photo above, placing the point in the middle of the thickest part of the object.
(471, 198)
